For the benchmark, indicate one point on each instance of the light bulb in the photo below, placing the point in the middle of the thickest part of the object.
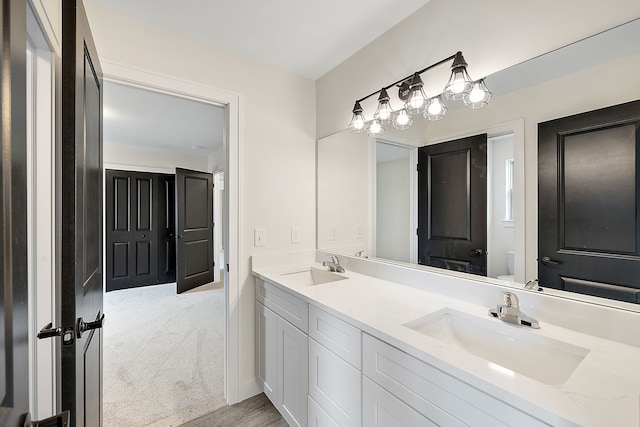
(476, 94)
(478, 97)
(402, 120)
(375, 128)
(435, 107)
(358, 123)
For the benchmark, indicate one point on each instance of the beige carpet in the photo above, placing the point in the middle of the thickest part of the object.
(163, 355)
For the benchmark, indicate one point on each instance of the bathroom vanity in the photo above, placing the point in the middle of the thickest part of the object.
(383, 345)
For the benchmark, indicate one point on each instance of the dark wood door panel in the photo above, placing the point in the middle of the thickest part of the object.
(167, 230)
(14, 316)
(132, 229)
(81, 220)
(452, 205)
(194, 191)
(589, 204)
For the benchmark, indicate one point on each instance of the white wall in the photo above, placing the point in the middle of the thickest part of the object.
(345, 180)
(149, 160)
(277, 141)
(499, 233)
(392, 210)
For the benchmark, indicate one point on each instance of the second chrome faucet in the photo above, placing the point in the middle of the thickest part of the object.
(510, 312)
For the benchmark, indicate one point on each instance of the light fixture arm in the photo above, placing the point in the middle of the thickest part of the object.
(411, 76)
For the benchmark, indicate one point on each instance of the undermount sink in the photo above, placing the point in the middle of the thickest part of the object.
(507, 348)
(311, 276)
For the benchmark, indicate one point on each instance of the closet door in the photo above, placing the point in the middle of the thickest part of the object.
(167, 229)
(132, 232)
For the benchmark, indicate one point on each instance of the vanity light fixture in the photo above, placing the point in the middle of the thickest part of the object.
(460, 86)
(478, 97)
(384, 113)
(436, 109)
(402, 120)
(375, 128)
(358, 122)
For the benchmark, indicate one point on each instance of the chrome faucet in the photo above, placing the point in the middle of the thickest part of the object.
(510, 312)
(334, 265)
(533, 284)
(361, 254)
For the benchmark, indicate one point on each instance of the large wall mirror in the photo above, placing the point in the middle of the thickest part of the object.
(367, 188)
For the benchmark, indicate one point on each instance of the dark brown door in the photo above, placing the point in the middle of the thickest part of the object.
(195, 228)
(81, 220)
(14, 319)
(132, 229)
(167, 229)
(452, 205)
(589, 203)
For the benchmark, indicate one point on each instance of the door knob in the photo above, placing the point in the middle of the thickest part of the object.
(48, 331)
(548, 261)
(87, 326)
(477, 252)
(143, 236)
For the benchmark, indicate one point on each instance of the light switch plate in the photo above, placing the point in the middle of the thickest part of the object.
(259, 237)
(295, 234)
(333, 234)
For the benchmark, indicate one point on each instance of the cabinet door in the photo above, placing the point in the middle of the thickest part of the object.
(382, 409)
(293, 373)
(318, 417)
(266, 350)
(335, 385)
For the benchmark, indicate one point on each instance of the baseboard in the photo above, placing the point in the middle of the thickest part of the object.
(249, 388)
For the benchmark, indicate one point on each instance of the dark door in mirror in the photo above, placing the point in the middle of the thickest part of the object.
(589, 203)
(452, 205)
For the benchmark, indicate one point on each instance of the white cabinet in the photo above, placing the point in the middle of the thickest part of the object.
(443, 399)
(293, 373)
(282, 351)
(335, 385)
(382, 409)
(318, 417)
(266, 346)
(335, 358)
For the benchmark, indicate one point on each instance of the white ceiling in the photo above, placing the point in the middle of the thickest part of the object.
(304, 37)
(307, 38)
(144, 118)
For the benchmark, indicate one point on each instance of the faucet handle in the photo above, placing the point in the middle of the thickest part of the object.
(511, 300)
(334, 259)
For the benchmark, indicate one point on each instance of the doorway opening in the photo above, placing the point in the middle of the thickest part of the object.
(159, 132)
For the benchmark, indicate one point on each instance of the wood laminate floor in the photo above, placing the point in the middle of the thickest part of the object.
(256, 411)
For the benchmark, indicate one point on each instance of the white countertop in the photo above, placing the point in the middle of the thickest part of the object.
(604, 390)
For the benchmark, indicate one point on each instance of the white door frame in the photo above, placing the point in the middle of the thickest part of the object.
(41, 227)
(150, 80)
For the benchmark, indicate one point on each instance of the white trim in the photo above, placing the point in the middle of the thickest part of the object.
(146, 79)
(41, 250)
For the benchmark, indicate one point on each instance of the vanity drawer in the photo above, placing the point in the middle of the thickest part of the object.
(335, 385)
(340, 337)
(439, 396)
(287, 306)
(382, 409)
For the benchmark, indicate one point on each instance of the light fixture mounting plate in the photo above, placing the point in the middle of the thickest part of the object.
(404, 90)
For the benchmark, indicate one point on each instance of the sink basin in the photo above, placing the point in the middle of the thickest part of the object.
(507, 348)
(312, 276)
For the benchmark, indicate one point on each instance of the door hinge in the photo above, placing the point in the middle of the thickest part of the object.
(227, 268)
(417, 233)
(417, 167)
(214, 263)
